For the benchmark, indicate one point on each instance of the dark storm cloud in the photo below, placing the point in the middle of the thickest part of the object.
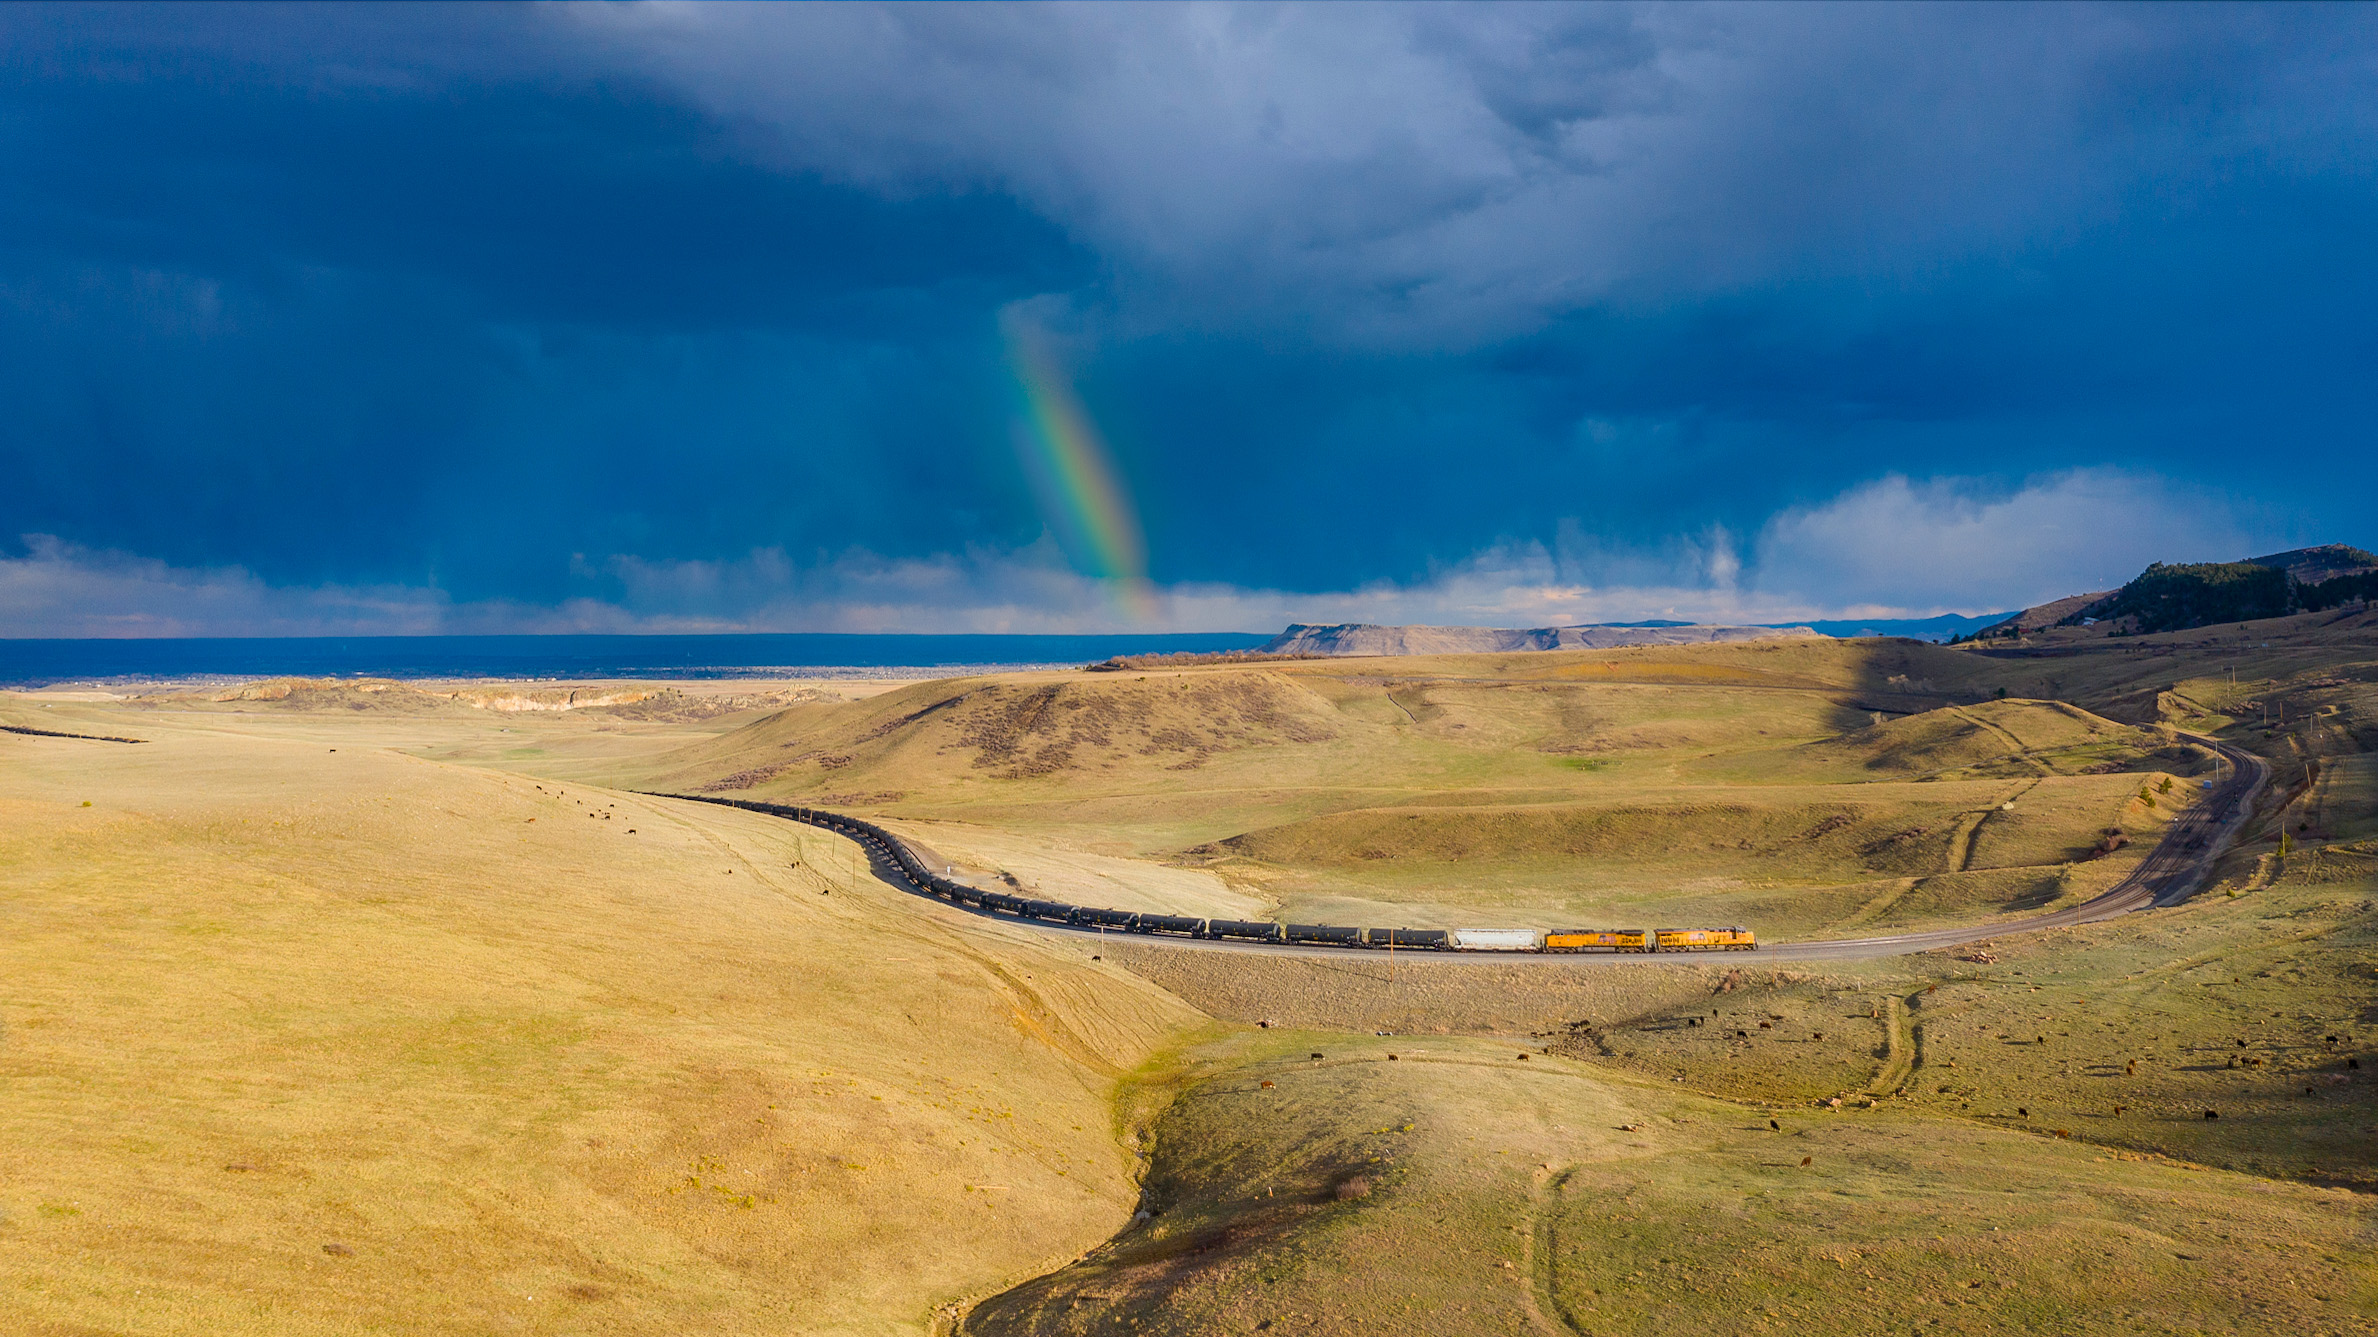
(345, 325)
(666, 309)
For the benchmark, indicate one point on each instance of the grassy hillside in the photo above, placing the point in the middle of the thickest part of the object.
(1031, 743)
(311, 1040)
(2012, 738)
(2191, 595)
(2128, 677)
(329, 1017)
(1811, 786)
(1313, 1183)
(2009, 1137)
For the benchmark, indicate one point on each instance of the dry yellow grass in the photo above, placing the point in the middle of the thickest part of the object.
(311, 1041)
(1164, 759)
(1310, 1182)
(1716, 784)
(1949, 1143)
(2255, 1006)
(336, 1041)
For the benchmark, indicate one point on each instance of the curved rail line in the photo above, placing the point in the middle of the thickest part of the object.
(2170, 874)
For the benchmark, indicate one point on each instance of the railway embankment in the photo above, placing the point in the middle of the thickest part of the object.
(2174, 870)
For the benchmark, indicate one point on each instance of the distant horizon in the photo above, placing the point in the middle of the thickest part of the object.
(42, 661)
(493, 636)
(602, 655)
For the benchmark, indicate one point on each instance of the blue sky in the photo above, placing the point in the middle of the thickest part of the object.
(432, 318)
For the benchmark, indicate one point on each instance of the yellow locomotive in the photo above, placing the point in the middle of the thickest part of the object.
(1707, 940)
(1598, 940)
(1735, 939)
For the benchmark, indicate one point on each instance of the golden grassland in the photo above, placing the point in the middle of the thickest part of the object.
(337, 1011)
(2010, 1137)
(2122, 1033)
(1313, 1183)
(311, 1041)
(1810, 787)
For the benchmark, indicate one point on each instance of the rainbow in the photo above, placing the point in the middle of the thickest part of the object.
(1070, 468)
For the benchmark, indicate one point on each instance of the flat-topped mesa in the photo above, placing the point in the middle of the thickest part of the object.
(1363, 638)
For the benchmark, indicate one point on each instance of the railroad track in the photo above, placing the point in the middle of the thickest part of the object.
(2170, 874)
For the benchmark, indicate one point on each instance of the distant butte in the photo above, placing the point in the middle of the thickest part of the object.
(1363, 638)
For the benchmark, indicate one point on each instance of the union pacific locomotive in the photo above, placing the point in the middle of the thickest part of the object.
(912, 870)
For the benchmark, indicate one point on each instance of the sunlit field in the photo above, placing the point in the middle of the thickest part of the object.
(335, 1009)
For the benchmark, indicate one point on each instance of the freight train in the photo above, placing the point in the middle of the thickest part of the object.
(895, 853)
